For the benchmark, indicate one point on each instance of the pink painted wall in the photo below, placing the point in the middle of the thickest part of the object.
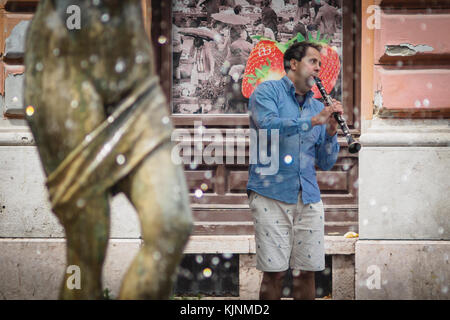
(415, 72)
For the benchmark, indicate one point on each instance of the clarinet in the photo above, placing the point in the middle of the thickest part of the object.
(353, 145)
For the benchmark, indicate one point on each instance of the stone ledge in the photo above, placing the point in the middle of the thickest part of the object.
(405, 139)
(406, 133)
(246, 244)
(33, 268)
(16, 136)
(209, 244)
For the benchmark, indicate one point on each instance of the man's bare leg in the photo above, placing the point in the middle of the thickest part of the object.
(304, 286)
(271, 285)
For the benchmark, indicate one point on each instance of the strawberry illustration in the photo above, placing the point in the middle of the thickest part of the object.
(331, 65)
(265, 62)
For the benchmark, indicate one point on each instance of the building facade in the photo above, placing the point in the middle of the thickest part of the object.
(395, 67)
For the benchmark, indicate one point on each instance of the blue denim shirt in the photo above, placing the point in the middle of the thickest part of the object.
(301, 146)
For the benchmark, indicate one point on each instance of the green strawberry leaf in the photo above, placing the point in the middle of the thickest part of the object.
(297, 38)
(259, 73)
(282, 47)
(291, 41)
(300, 37)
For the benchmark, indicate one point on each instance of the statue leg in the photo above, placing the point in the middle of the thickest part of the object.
(157, 189)
(87, 238)
(58, 128)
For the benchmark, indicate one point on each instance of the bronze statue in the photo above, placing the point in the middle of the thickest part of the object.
(101, 124)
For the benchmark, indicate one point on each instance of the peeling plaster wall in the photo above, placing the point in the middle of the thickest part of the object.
(406, 49)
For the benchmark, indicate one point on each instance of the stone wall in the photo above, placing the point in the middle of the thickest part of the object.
(404, 207)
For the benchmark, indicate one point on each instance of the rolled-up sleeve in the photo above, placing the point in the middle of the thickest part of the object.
(264, 112)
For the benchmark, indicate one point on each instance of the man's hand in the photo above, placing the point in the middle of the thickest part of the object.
(326, 117)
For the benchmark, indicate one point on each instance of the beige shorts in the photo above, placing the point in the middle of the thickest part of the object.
(288, 235)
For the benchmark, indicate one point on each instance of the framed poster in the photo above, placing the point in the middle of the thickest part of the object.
(212, 41)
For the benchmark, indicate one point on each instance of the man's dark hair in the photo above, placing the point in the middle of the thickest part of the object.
(297, 51)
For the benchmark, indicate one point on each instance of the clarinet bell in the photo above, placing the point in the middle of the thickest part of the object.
(354, 147)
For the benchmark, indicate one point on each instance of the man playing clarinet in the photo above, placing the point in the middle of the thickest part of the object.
(286, 206)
